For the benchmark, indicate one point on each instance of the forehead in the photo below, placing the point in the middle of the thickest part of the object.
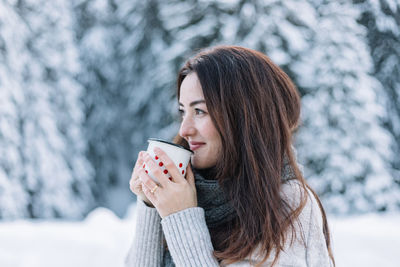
(190, 89)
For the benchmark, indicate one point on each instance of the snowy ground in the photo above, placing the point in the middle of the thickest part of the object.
(102, 240)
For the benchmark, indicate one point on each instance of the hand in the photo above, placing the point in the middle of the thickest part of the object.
(169, 196)
(135, 183)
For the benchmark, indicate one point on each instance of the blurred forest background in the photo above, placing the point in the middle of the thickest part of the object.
(84, 83)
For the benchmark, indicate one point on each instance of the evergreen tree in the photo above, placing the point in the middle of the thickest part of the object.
(382, 20)
(97, 33)
(132, 51)
(126, 88)
(342, 145)
(43, 170)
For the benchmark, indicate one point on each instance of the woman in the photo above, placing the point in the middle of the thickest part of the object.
(246, 202)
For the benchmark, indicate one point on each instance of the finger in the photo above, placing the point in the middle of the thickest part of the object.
(155, 169)
(150, 196)
(146, 180)
(134, 182)
(190, 176)
(138, 164)
(169, 165)
(139, 159)
(136, 186)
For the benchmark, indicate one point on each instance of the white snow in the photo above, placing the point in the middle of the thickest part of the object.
(367, 240)
(102, 240)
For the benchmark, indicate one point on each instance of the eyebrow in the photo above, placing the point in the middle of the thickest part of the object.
(194, 103)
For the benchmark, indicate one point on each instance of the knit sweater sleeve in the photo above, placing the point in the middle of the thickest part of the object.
(147, 247)
(188, 238)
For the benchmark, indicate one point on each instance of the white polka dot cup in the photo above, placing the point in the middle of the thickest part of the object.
(178, 154)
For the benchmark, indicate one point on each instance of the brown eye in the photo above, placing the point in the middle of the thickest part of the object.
(199, 111)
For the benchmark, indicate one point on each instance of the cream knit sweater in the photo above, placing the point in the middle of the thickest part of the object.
(190, 244)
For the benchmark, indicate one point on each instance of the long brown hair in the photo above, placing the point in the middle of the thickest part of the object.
(255, 107)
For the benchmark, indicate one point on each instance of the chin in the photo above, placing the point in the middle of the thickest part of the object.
(201, 165)
(197, 163)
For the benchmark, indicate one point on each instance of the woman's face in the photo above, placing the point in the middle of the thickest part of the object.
(197, 127)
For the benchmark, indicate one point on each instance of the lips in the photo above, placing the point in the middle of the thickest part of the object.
(195, 145)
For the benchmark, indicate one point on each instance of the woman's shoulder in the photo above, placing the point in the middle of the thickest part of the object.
(293, 192)
(309, 224)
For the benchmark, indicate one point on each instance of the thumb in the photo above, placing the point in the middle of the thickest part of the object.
(190, 175)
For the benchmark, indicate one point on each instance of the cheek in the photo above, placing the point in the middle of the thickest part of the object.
(212, 136)
(208, 130)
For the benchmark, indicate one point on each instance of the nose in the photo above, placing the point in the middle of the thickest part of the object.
(187, 127)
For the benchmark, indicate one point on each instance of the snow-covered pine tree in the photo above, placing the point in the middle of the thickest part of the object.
(382, 20)
(273, 27)
(98, 32)
(343, 146)
(133, 66)
(43, 170)
(133, 50)
(321, 48)
(126, 83)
